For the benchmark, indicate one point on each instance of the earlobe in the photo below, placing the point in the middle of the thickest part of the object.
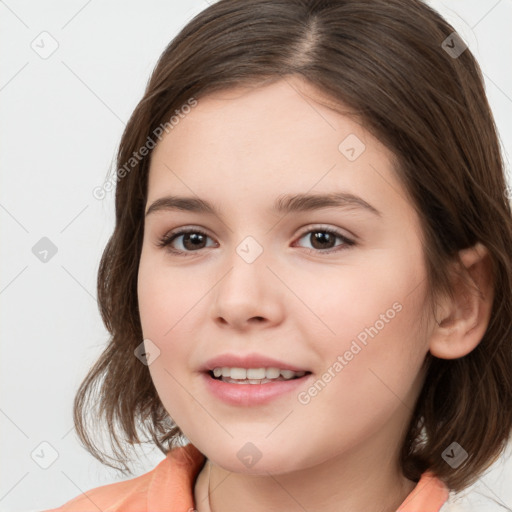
(462, 322)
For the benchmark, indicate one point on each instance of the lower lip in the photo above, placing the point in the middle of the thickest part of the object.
(252, 394)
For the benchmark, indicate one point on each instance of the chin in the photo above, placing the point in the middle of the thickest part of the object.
(258, 457)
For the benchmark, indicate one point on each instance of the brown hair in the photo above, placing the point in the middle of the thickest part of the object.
(385, 60)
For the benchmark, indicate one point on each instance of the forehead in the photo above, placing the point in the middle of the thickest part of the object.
(243, 119)
(250, 145)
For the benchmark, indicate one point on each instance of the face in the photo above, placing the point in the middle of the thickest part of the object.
(335, 290)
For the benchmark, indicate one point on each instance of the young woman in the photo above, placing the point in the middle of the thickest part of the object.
(309, 283)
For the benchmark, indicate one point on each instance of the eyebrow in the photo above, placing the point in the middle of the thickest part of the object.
(287, 203)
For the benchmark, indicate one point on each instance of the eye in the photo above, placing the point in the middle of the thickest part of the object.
(194, 239)
(322, 239)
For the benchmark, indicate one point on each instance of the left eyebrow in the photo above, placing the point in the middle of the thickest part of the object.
(286, 203)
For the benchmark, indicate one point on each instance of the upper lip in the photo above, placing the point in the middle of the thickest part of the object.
(247, 361)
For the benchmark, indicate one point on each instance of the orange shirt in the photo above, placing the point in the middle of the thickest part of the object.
(169, 487)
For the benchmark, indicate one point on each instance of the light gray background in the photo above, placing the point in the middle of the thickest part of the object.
(62, 118)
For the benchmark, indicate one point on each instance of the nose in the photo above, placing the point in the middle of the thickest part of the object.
(249, 294)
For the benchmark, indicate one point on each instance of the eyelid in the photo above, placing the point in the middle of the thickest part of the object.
(339, 232)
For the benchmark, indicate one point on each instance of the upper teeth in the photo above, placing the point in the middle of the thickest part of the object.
(255, 373)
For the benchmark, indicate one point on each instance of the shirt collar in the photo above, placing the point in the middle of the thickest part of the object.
(172, 486)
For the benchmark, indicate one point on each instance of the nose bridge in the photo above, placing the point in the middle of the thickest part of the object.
(245, 291)
(247, 267)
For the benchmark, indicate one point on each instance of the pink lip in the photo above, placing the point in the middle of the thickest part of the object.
(251, 394)
(247, 361)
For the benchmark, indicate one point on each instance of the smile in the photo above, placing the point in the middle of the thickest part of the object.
(232, 391)
(236, 375)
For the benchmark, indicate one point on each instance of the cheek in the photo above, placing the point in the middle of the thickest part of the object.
(374, 338)
(160, 309)
(380, 365)
(164, 297)
(366, 303)
(168, 317)
(371, 374)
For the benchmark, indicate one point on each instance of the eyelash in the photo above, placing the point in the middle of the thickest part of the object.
(166, 240)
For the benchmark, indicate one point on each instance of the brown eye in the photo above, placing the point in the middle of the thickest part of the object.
(323, 240)
(192, 240)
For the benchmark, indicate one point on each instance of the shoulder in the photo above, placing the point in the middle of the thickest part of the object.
(111, 497)
(472, 500)
(169, 482)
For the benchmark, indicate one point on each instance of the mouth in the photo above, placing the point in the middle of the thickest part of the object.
(254, 380)
(263, 375)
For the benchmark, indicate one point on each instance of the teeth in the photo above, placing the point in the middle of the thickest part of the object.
(235, 373)
(272, 373)
(255, 375)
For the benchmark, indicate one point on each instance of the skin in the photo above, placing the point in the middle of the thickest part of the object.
(241, 149)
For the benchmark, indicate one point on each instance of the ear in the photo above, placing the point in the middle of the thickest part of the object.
(462, 322)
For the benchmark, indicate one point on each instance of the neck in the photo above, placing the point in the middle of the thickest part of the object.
(369, 482)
